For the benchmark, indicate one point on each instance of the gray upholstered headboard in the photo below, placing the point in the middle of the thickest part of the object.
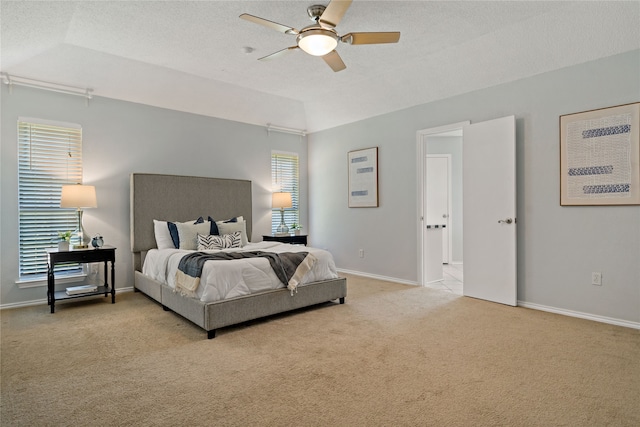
(182, 198)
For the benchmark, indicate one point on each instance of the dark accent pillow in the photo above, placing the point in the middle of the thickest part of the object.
(173, 230)
(214, 227)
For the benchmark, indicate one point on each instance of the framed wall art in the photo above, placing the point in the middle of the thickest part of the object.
(363, 178)
(600, 157)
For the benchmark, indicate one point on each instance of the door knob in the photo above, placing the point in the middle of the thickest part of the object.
(505, 221)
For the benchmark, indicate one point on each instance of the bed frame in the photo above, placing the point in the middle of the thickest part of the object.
(182, 198)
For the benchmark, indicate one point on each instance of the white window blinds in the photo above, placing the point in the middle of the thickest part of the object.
(49, 156)
(284, 177)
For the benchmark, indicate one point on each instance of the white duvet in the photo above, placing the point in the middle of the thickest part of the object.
(228, 279)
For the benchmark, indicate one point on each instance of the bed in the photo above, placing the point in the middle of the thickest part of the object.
(184, 198)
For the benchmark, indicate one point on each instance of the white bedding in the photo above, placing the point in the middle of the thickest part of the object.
(228, 279)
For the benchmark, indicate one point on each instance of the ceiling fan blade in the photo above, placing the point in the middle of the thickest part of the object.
(270, 24)
(334, 12)
(278, 54)
(334, 61)
(371, 38)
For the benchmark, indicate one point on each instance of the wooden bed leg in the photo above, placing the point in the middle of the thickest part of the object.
(342, 300)
(211, 334)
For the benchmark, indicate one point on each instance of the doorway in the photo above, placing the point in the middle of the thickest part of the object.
(443, 209)
(441, 148)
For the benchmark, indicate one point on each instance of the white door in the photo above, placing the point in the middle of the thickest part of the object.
(489, 214)
(438, 198)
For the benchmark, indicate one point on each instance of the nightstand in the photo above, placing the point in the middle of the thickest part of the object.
(104, 254)
(294, 239)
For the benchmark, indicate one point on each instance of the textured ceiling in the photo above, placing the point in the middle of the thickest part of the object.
(190, 55)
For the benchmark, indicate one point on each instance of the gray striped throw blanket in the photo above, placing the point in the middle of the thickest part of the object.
(290, 267)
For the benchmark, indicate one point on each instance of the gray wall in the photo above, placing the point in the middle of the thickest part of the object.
(120, 138)
(558, 247)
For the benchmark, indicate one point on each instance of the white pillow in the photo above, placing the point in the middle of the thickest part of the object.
(231, 227)
(163, 237)
(238, 219)
(188, 233)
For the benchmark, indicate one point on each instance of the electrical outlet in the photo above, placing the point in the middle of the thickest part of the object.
(596, 278)
(361, 253)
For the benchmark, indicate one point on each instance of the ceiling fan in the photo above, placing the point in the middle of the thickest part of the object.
(320, 38)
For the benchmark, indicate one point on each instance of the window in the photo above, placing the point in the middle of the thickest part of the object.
(49, 156)
(284, 177)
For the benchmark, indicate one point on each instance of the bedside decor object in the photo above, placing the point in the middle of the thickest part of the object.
(297, 228)
(97, 241)
(363, 178)
(281, 200)
(79, 196)
(600, 157)
(63, 240)
(82, 289)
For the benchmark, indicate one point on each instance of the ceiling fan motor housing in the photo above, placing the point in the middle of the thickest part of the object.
(315, 12)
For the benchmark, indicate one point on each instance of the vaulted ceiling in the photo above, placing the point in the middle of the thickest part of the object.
(200, 57)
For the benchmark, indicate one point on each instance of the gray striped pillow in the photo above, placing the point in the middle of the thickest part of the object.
(226, 241)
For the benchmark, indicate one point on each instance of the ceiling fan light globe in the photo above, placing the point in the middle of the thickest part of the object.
(317, 42)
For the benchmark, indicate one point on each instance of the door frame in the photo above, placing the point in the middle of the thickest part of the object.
(421, 148)
(449, 230)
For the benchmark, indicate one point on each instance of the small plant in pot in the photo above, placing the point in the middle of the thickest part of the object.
(64, 237)
(297, 228)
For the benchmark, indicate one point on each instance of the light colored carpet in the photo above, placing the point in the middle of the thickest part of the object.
(393, 355)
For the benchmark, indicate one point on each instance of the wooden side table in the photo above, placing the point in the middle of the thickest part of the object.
(104, 254)
(295, 239)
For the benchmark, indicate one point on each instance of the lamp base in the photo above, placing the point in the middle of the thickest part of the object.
(282, 228)
(82, 239)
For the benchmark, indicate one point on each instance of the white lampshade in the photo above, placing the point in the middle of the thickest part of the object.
(317, 42)
(78, 196)
(281, 200)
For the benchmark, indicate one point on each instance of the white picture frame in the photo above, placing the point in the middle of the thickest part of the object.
(363, 178)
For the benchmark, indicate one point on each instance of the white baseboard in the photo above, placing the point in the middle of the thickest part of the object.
(43, 301)
(375, 276)
(581, 315)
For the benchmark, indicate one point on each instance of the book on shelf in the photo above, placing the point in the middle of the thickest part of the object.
(83, 289)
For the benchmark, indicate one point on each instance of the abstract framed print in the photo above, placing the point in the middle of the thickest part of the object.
(363, 178)
(600, 157)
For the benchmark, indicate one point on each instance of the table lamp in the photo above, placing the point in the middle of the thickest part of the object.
(79, 196)
(281, 200)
